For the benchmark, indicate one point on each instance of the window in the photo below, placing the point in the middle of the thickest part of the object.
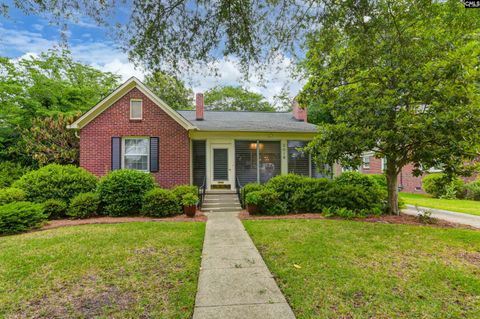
(384, 164)
(136, 109)
(298, 160)
(366, 162)
(136, 153)
(257, 161)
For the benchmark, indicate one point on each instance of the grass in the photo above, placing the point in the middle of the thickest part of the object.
(456, 205)
(129, 270)
(348, 269)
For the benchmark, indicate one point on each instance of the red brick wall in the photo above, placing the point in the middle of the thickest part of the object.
(95, 139)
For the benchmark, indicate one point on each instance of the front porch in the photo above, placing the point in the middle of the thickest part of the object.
(227, 163)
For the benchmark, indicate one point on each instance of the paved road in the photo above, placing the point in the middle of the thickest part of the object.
(234, 280)
(454, 217)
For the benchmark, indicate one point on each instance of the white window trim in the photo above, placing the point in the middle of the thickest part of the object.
(148, 151)
(384, 161)
(141, 109)
(366, 165)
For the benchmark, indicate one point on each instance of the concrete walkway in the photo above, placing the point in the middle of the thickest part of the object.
(234, 280)
(453, 217)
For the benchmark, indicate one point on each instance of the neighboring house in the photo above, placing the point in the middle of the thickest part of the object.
(133, 128)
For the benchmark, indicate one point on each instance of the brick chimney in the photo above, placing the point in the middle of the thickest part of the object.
(199, 107)
(300, 114)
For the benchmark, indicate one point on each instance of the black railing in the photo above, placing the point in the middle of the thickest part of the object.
(202, 190)
(238, 187)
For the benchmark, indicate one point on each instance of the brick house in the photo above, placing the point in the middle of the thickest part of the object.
(133, 128)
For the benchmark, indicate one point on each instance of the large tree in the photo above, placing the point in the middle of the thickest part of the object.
(171, 90)
(235, 98)
(36, 87)
(399, 78)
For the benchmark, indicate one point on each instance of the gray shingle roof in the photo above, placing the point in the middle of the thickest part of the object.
(249, 122)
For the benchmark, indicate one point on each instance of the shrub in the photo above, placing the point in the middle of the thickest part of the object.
(11, 194)
(286, 186)
(473, 190)
(248, 188)
(84, 205)
(380, 179)
(61, 182)
(181, 190)
(357, 179)
(439, 185)
(355, 198)
(310, 198)
(54, 208)
(267, 201)
(121, 191)
(20, 216)
(160, 203)
(190, 199)
(10, 172)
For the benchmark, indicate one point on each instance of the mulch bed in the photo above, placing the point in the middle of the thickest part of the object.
(384, 219)
(199, 217)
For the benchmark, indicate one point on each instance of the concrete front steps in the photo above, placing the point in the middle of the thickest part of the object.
(221, 201)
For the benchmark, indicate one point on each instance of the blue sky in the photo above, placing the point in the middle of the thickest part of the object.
(22, 35)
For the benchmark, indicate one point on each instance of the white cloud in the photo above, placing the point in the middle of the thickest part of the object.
(105, 56)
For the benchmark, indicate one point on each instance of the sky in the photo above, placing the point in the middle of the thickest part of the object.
(22, 35)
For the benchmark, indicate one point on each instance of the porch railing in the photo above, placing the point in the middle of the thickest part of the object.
(238, 187)
(202, 190)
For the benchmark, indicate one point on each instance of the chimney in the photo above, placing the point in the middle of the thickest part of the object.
(300, 114)
(199, 106)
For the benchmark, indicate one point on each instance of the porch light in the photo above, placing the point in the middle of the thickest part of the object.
(253, 146)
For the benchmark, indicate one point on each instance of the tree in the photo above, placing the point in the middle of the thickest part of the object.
(49, 141)
(235, 98)
(36, 87)
(171, 90)
(399, 78)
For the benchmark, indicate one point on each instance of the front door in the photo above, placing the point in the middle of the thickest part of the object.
(221, 177)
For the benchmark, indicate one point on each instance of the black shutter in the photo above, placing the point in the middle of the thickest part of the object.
(154, 149)
(116, 153)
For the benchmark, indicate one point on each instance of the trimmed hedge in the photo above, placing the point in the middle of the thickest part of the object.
(267, 201)
(286, 186)
(310, 198)
(121, 191)
(11, 194)
(55, 181)
(84, 205)
(20, 216)
(55, 209)
(160, 203)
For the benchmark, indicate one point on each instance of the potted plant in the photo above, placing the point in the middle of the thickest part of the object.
(189, 202)
(252, 199)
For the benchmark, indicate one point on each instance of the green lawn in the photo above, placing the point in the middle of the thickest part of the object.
(348, 269)
(456, 205)
(130, 270)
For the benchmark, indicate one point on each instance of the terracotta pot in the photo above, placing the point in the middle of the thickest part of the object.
(252, 209)
(190, 210)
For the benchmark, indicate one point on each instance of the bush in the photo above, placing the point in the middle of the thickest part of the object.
(20, 216)
(181, 190)
(286, 186)
(355, 198)
(121, 191)
(357, 179)
(55, 181)
(84, 205)
(473, 190)
(380, 179)
(439, 185)
(310, 198)
(190, 199)
(54, 208)
(10, 172)
(248, 188)
(160, 203)
(11, 194)
(267, 201)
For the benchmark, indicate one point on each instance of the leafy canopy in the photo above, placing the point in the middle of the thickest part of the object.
(399, 78)
(171, 90)
(235, 98)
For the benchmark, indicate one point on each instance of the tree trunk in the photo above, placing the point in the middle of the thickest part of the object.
(392, 189)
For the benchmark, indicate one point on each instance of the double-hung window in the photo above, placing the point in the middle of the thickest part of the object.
(366, 162)
(136, 153)
(136, 109)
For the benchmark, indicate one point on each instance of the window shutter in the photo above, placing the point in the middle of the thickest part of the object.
(116, 153)
(154, 165)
